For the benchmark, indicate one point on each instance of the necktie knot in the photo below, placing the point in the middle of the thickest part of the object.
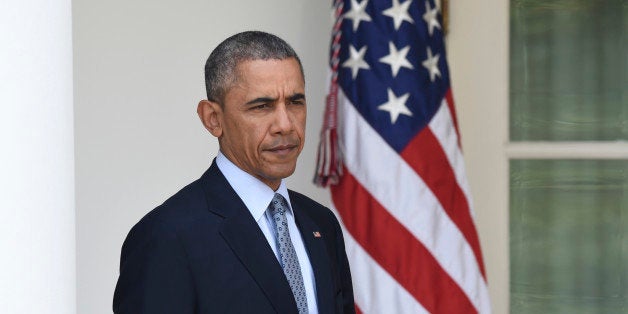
(278, 205)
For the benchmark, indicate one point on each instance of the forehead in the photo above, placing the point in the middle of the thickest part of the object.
(271, 72)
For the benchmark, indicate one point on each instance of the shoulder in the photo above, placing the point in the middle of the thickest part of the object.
(308, 203)
(182, 207)
(300, 198)
(320, 214)
(167, 220)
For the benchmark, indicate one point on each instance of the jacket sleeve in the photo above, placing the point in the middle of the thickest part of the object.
(154, 272)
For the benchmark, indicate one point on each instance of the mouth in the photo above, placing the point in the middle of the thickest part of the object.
(282, 150)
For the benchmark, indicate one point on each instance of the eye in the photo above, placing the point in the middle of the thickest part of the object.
(298, 101)
(261, 107)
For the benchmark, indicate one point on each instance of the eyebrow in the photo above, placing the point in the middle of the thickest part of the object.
(297, 96)
(261, 100)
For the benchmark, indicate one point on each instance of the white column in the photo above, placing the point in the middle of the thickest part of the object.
(37, 241)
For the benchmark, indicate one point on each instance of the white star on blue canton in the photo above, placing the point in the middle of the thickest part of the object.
(358, 13)
(431, 64)
(395, 106)
(430, 17)
(356, 61)
(399, 13)
(397, 58)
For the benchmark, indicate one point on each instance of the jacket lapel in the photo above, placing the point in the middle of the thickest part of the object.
(243, 235)
(317, 252)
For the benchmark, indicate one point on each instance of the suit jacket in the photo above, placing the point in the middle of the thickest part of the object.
(201, 251)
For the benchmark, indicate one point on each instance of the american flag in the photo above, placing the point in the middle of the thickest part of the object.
(390, 151)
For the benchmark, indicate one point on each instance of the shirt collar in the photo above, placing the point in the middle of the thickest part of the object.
(254, 193)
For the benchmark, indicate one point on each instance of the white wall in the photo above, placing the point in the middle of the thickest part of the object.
(478, 60)
(138, 77)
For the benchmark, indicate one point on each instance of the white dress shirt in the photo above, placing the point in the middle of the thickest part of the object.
(257, 196)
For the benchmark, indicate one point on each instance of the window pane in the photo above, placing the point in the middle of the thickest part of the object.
(568, 70)
(569, 236)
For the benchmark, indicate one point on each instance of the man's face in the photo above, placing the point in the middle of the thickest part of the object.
(263, 119)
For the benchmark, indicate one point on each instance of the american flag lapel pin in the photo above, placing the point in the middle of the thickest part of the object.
(316, 234)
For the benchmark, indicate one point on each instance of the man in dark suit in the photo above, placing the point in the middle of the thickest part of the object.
(236, 240)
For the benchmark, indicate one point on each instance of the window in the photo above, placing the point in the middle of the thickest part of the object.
(568, 123)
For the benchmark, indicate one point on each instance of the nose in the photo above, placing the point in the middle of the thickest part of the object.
(283, 122)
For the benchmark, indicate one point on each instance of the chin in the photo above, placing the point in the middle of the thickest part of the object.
(284, 171)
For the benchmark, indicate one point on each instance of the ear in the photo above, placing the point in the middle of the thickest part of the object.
(211, 115)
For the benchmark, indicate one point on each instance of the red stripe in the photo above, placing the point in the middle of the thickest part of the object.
(396, 250)
(357, 310)
(425, 155)
(452, 111)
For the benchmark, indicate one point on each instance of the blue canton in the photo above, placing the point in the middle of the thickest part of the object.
(398, 75)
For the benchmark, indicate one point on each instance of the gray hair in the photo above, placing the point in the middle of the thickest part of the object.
(220, 68)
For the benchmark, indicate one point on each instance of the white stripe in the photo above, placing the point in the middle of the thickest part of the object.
(375, 291)
(445, 132)
(395, 185)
